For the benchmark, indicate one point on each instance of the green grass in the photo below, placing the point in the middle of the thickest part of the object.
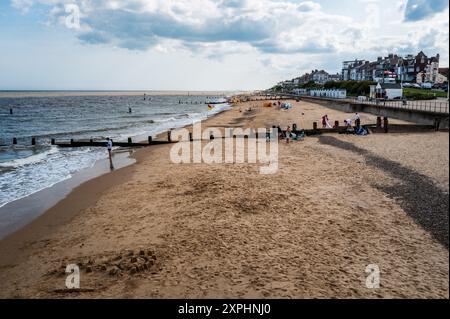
(422, 94)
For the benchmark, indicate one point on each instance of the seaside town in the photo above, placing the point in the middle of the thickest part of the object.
(410, 77)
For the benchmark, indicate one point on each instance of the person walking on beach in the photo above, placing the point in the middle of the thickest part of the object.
(109, 145)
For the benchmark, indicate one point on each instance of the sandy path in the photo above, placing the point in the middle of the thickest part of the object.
(227, 231)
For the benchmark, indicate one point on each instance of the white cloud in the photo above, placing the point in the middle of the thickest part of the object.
(283, 36)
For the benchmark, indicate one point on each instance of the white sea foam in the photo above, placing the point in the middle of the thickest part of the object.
(33, 159)
(42, 172)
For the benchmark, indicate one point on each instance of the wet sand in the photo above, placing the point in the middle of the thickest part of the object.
(162, 230)
(19, 213)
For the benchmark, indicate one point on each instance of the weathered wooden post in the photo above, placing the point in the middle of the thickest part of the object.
(378, 121)
(315, 126)
(437, 124)
(386, 124)
(150, 139)
(130, 140)
(14, 141)
(33, 141)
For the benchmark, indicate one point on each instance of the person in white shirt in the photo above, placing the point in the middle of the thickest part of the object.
(109, 145)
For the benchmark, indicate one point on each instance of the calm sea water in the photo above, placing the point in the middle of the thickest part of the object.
(26, 169)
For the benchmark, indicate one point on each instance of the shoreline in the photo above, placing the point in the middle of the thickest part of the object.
(27, 208)
(63, 190)
(21, 212)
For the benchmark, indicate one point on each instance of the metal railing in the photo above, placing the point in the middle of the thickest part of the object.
(413, 105)
(435, 106)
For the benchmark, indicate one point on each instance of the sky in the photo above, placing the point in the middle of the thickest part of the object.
(204, 44)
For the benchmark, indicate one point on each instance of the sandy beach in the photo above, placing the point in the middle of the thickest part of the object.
(337, 204)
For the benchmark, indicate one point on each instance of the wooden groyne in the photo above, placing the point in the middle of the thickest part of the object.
(381, 126)
(94, 143)
(88, 143)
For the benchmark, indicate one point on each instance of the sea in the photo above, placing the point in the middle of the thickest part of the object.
(26, 169)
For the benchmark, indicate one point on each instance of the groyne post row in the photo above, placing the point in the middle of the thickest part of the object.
(382, 125)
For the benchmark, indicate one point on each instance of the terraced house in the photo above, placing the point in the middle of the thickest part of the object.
(419, 68)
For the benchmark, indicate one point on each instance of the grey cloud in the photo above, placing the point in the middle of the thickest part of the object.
(125, 25)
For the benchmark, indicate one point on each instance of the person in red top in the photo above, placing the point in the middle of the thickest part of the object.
(324, 121)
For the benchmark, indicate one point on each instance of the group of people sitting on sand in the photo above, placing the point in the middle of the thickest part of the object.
(289, 134)
(284, 106)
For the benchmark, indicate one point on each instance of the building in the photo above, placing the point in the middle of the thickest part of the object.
(335, 94)
(319, 76)
(305, 78)
(334, 77)
(388, 91)
(394, 68)
(405, 69)
(300, 91)
(347, 67)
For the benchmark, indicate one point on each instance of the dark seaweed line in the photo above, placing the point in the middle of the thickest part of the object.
(417, 194)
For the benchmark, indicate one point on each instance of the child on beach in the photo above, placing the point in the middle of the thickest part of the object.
(288, 134)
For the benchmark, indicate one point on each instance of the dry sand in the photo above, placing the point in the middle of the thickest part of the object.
(336, 205)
